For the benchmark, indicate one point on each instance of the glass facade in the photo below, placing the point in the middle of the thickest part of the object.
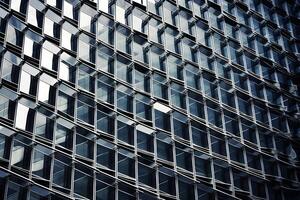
(149, 99)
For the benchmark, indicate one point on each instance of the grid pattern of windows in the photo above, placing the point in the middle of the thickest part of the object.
(149, 99)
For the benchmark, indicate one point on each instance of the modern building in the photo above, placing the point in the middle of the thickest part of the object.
(149, 99)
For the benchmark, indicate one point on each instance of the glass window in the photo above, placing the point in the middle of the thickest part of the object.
(7, 104)
(186, 189)
(44, 126)
(154, 7)
(221, 170)
(10, 68)
(146, 174)
(154, 33)
(28, 80)
(178, 97)
(258, 188)
(218, 144)
(171, 41)
(204, 192)
(174, 67)
(218, 44)
(47, 91)
(240, 180)
(14, 191)
(41, 162)
(236, 151)
(183, 157)
(196, 106)
(83, 182)
(125, 131)
(240, 79)
(24, 117)
(180, 126)
(120, 11)
(21, 153)
(142, 79)
(138, 18)
(14, 32)
(192, 76)
(87, 49)
(261, 114)
(84, 143)
(66, 101)
(253, 159)
(85, 109)
(188, 50)
(87, 18)
(199, 134)
(157, 60)
(104, 187)
(105, 154)
(67, 69)
(3, 20)
(203, 60)
(160, 87)
(105, 120)
(126, 192)
(244, 33)
(251, 63)
(212, 16)
(249, 134)
(105, 31)
(70, 10)
(202, 164)
(19, 6)
(164, 146)
(214, 115)
(126, 163)
(124, 98)
(278, 121)
(145, 138)
(86, 79)
(34, 13)
(186, 22)
(235, 54)
(223, 69)
(244, 104)
(103, 6)
(32, 45)
(49, 55)
(167, 180)
(5, 145)
(38, 193)
(64, 134)
(230, 28)
(257, 89)
(140, 48)
(68, 37)
(242, 17)
(227, 94)
(143, 107)
(54, 3)
(201, 29)
(197, 7)
(210, 86)
(122, 39)
(105, 59)
(169, 14)
(52, 24)
(105, 88)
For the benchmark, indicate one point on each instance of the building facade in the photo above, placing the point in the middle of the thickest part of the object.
(149, 99)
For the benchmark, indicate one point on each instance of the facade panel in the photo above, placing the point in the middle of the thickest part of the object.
(149, 99)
